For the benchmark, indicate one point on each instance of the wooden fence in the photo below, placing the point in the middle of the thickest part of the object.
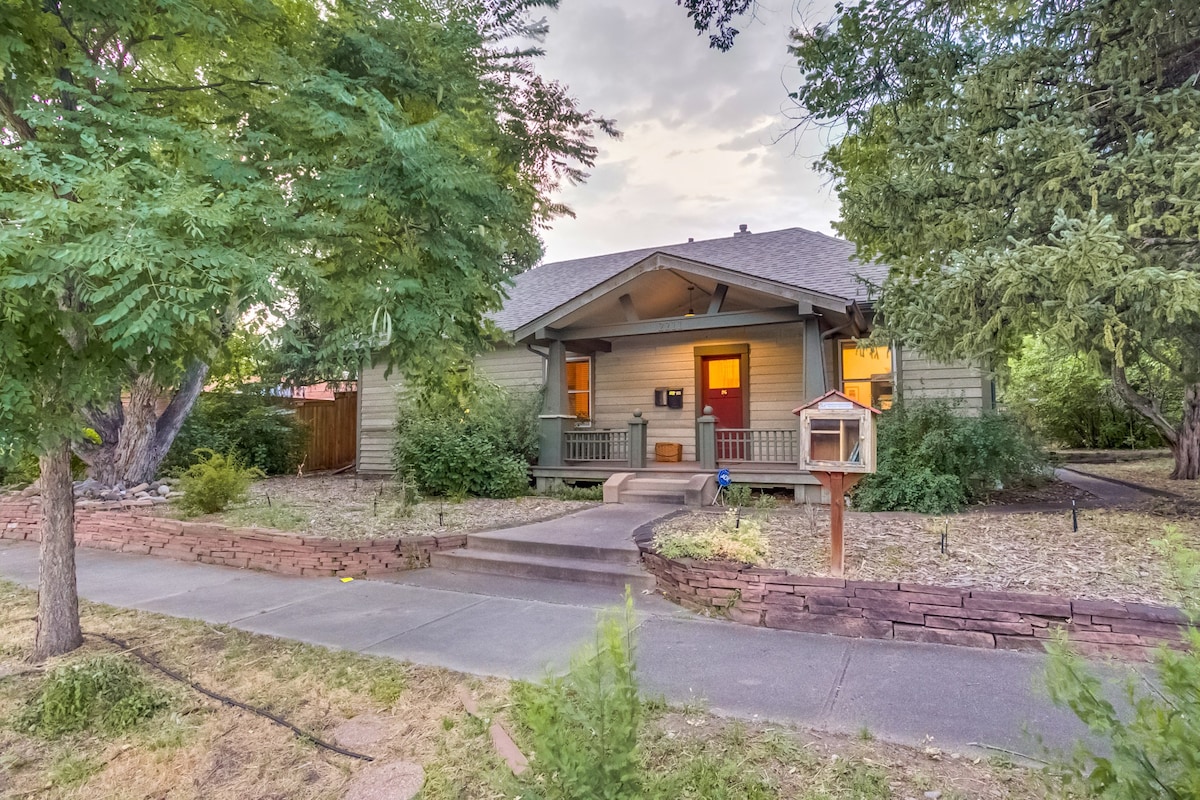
(333, 426)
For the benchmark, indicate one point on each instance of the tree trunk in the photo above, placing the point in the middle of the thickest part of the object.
(135, 440)
(1186, 446)
(58, 603)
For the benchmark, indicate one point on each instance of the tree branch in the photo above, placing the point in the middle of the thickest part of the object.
(1143, 405)
(181, 404)
(9, 113)
(201, 86)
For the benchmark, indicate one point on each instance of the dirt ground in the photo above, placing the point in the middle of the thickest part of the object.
(199, 748)
(345, 507)
(1111, 556)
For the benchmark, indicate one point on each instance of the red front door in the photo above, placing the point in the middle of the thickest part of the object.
(721, 387)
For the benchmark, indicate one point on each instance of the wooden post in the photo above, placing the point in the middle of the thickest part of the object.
(637, 441)
(838, 483)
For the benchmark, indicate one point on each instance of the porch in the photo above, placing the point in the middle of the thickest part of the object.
(761, 458)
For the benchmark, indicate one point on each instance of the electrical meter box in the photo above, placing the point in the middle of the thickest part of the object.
(837, 434)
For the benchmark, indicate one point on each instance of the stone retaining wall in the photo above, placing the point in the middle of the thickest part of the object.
(131, 531)
(910, 612)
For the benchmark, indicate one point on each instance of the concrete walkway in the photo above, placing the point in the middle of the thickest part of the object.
(519, 628)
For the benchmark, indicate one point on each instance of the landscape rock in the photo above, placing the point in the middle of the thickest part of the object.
(364, 731)
(141, 495)
(141, 487)
(163, 490)
(32, 489)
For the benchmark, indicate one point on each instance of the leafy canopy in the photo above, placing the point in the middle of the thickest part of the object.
(1023, 167)
(167, 167)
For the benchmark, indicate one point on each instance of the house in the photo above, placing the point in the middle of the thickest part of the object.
(633, 347)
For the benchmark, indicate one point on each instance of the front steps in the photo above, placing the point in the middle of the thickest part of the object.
(679, 490)
(505, 553)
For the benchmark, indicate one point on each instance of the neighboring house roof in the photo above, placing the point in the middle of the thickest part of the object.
(794, 257)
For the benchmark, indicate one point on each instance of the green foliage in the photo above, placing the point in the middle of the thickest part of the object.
(477, 442)
(932, 460)
(565, 492)
(584, 726)
(70, 770)
(105, 694)
(1151, 751)
(258, 429)
(1068, 401)
(731, 538)
(738, 495)
(214, 483)
(1008, 200)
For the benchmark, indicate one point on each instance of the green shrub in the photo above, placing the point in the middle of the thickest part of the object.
(106, 694)
(256, 428)
(1069, 402)
(584, 726)
(214, 483)
(738, 495)
(565, 492)
(480, 443)
(1151, 752)
(932, 460)
(731, 538)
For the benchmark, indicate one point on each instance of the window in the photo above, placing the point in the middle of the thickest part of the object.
(579, 389)
(867, 374)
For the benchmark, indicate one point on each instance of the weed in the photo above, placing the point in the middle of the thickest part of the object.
(277, 517)
(386, 689)
(70, 769)
(732, 538)
(738, 495)
(215, 483)
(104, 693)
(864, 733)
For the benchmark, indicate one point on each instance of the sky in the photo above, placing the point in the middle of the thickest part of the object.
(706, 142)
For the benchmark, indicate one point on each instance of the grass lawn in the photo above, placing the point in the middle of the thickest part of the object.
(197, 748)
(1110, 557)
(351, 508)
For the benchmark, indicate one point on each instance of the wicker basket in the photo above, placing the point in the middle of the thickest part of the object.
(668, 451)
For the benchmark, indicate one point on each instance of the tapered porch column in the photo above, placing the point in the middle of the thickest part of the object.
(814, 360)
(706, 439)
(555, 416)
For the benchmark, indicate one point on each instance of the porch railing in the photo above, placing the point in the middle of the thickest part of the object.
(606, 445)
(776, 445)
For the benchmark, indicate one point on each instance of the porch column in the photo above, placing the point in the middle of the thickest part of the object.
(552, 422)
(706, 439)
(637, 441)
(814, 360)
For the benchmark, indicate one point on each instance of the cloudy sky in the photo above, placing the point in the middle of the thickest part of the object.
(706, 143)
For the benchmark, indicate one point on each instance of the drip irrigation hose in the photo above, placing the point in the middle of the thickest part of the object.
(229, 701)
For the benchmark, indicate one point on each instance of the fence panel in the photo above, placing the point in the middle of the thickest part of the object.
(333, 430)
(610, 445)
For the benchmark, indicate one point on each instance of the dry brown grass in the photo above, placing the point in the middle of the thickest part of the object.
(1110, 557)
(351, 508)
(201, 749)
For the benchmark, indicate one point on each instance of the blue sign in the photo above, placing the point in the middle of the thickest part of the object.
(723, 478)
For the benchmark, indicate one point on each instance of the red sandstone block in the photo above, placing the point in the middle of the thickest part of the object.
(1125, 652)
(326, 573)
(824, 623)
(746, 616)
(1106, 608)
(1058, 608)
(828, 600)
(1167, 630)
(836, 611)
(1099, 637)
(922, 588)
(779, 588)
(717, 594)
(878, 604)
(1010, 628)
(785, 600)
(725, 583)
(135, 548)
(1023, 643)
(806, 580)
(894, 615)
(983, 594)
(909, 597)
(915, 633)
(887, 586)
(944, 623)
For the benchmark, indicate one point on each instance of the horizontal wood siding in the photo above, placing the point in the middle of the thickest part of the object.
(378, 400)
(959, 382)
(511, 367)
(627, 377)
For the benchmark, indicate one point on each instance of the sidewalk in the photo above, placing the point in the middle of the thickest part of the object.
(518, 628)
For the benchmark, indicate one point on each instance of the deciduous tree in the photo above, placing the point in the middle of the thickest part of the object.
(166, 167)
(1025, 168)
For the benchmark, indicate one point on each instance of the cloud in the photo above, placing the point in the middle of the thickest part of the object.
(699, 154)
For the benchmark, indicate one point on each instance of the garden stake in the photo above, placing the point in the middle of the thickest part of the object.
(737, 523)
(945, 536)
(1074, 517)
(268, 496)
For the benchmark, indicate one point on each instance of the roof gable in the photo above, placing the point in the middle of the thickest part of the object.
(793, 257)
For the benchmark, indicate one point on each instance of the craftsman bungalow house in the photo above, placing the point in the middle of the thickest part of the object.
(633, 347)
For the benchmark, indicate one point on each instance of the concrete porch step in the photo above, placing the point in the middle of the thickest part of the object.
(637, 496)
(579, 570)
(504, 542)
(691, 490)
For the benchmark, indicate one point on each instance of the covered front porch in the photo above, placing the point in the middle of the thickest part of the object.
(679, 367)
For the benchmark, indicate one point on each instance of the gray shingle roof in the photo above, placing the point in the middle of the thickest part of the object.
(794, 257)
